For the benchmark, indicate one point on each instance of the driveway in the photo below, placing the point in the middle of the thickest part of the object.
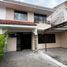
(26, 58)
(59, 54)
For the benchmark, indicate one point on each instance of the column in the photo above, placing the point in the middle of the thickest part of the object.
(35, 40)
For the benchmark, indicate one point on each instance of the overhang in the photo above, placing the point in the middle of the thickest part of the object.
(14, 22)
(17, 24)
(25, 7)
(58, 28)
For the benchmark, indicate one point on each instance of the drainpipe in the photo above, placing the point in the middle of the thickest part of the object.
(66, 36)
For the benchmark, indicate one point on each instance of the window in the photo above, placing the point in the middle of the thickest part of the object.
(19, 15)
(39, 18)
(46, 38)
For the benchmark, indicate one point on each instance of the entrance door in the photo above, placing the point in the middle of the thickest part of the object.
(23, 41)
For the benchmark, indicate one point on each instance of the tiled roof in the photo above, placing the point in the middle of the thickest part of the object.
(13, 22)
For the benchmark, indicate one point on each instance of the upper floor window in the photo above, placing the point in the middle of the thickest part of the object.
(38, 18)
(19, 15)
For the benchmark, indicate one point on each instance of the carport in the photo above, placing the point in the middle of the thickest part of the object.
(59, 53)
(57, 28)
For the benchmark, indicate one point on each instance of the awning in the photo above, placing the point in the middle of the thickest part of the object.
(14, 22)
(58, 28)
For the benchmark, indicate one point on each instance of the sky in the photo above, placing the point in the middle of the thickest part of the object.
(44, 3)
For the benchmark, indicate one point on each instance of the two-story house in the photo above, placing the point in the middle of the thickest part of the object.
(32, 27)
(25, 24)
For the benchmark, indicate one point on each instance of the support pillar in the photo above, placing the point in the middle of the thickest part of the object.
(35, 40)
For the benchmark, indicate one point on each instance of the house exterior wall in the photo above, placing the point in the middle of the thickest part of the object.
(11, 44)
(63, 39)
(2, 13)
(30, 15)
(51, 45)
(9, 14)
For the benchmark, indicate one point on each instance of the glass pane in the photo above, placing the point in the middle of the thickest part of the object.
(40, 18)
(20, 16)
(36, 19)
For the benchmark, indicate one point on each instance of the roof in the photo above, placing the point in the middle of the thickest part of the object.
(58, 28)
(25, 7)
(12, 22)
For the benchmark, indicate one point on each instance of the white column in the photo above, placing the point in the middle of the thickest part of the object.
(35, 39)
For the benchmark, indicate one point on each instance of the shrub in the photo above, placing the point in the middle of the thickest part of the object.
(2, 44)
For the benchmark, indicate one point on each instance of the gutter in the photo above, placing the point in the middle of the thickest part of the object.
(16, 26)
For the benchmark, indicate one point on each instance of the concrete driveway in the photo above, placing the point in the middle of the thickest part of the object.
(26, 58)
(60, 54)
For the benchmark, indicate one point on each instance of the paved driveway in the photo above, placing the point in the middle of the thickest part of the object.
(26, 58)
(59, 54)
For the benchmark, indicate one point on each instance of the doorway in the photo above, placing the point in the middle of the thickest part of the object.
(24, 40)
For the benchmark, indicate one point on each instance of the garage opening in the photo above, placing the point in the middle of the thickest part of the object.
(24, 41)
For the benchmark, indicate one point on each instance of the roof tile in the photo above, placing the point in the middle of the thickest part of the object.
(14, 22)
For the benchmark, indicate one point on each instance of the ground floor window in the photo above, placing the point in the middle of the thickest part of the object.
(46, 38)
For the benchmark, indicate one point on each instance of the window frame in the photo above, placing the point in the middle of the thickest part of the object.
(43, 17)
(20, 13)
(46, 38)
